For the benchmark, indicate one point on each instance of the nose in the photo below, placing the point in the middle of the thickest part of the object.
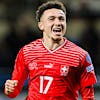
(57, 22)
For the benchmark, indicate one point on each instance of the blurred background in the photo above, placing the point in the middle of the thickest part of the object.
(18, 27)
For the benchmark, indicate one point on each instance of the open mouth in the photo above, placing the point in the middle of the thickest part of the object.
(57, 31)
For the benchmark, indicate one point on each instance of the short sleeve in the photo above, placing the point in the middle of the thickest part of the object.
(88, 76)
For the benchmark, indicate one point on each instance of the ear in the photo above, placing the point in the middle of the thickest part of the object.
(40, 25)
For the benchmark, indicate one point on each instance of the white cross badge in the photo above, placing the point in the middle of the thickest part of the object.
(64, 70)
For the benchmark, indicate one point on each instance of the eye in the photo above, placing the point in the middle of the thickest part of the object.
(61, 18)
(51, 18)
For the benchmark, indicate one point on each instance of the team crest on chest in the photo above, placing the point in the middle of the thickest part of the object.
(64, 70)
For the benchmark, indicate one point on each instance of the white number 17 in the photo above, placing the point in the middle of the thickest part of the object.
(42, 78)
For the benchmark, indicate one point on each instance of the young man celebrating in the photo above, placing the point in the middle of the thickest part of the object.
(57, 68)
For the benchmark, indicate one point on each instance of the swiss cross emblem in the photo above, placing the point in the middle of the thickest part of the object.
(64, 70)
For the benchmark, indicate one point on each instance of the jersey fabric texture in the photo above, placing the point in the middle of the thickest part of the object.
(53, 75)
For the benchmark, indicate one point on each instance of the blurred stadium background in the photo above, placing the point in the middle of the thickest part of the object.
(18, 27)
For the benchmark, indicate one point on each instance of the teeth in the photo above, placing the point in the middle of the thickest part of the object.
(57, 30)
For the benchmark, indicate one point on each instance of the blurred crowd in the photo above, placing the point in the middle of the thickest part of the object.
(19, 27)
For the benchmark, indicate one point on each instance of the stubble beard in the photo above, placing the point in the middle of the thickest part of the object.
(56, 40)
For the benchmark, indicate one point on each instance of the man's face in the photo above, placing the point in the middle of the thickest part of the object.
(53, 23)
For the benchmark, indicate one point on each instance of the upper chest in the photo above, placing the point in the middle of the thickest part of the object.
(58, 63)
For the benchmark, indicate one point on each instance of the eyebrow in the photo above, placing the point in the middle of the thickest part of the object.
(55, 16)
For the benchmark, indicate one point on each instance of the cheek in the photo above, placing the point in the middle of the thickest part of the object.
(64, 29)
(47, 26)
(64, 25)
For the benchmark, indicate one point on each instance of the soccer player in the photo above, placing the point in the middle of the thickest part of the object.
(57, 68)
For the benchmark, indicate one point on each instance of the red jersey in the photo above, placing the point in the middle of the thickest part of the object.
(53, 75)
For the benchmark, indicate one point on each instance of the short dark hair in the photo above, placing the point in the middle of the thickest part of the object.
(49, 5)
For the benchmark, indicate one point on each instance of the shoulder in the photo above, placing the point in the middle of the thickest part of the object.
(75, 49)
(32, 44)
(29, 51)
(31, 47)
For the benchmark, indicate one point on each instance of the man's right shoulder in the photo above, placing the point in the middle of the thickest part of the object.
(32, 44)
(30, 51)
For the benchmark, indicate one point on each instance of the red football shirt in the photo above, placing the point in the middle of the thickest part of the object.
(53, 75)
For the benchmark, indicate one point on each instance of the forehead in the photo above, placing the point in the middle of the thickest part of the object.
(53, 12)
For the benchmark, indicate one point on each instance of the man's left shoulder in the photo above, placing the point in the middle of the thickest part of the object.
(75, 48)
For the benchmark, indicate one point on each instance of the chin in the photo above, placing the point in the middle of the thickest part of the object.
(57, 39)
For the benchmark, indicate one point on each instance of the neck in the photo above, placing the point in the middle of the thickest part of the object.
(53, 44)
